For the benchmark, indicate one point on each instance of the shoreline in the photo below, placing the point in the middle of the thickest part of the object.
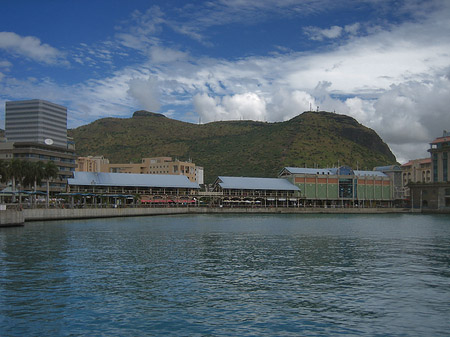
(18, 218)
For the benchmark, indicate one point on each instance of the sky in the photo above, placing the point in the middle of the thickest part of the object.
(384, 62)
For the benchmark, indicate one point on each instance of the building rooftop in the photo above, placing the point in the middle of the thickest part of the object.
(131, 180)
(440, 140)
(334, 171)
(248, 183)
(305, 170)
(418, 161)
(387, 168)
(360, 173)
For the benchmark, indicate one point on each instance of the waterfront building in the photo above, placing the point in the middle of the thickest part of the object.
(36, 130)
(159, 165)
(341, 187)
(434, 194)
(64, 158)
(415, 171)
(440, 153)
(199, 175)
(155, 189)
(249, 191)
(36, 121)
(395, 173)
(90, 163)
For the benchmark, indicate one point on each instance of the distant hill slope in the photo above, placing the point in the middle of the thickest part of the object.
(237, 148)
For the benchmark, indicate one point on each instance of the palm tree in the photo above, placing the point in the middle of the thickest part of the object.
(5, 173)
(16, 170)
(35, 172)
(51, 172)
(26, 176)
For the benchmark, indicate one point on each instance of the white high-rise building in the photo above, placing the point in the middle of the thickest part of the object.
(36, 121)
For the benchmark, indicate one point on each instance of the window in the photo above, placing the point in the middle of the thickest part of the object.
(445, 165)
(345, 188)
(435, 167)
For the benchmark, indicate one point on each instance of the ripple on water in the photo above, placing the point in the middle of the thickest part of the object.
(227, 276)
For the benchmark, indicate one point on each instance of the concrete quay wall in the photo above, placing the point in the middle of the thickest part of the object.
(305, 210)
(11, 217)
(89, 213)
(59, 214)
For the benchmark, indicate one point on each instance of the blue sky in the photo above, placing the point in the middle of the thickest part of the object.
(385, 63)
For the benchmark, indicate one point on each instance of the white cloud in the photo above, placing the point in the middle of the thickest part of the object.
(140, 31)
(319, 34)
(5, 64)
(223, 12)
(30, 47)
(414, 112)
(145, 92)
(287, 104)
(352, 29)
(166, 55)
(247, 106)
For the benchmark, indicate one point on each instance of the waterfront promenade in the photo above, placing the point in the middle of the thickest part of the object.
(17, 217)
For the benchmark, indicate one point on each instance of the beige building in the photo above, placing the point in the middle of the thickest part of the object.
(415, 171)
(157, 165)
(90, 163)
(63, 157)
(434, 194)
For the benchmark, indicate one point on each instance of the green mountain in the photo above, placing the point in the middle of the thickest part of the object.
(237, 148)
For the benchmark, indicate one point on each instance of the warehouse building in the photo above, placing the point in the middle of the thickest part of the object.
(258, 192)
(341, 187)
(96, 188)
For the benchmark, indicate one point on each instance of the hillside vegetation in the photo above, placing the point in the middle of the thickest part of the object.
(237, 148)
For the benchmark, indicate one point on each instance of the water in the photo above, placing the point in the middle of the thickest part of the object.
(273, 275)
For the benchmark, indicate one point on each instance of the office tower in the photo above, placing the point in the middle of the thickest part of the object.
(36, 121)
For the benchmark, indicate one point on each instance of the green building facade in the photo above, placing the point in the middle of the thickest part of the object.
(341, 186)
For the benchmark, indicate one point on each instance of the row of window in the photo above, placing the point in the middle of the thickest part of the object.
(44, 157)
(444, 167)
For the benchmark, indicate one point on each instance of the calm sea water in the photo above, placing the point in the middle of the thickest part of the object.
(273, 275)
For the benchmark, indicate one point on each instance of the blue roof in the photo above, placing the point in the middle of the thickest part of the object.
(387, 168)
(246, 183)
(332, 171)
(131, 180)
(370, 173)
(305, 170)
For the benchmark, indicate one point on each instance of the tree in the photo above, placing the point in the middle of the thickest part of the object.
(51, 172)
(34, 173)
(5, 172)
(16, 170)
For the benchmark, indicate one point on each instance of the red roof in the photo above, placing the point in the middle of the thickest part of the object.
(440, 140)
(417, 161)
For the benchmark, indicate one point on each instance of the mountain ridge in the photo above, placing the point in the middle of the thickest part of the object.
(236, 148)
